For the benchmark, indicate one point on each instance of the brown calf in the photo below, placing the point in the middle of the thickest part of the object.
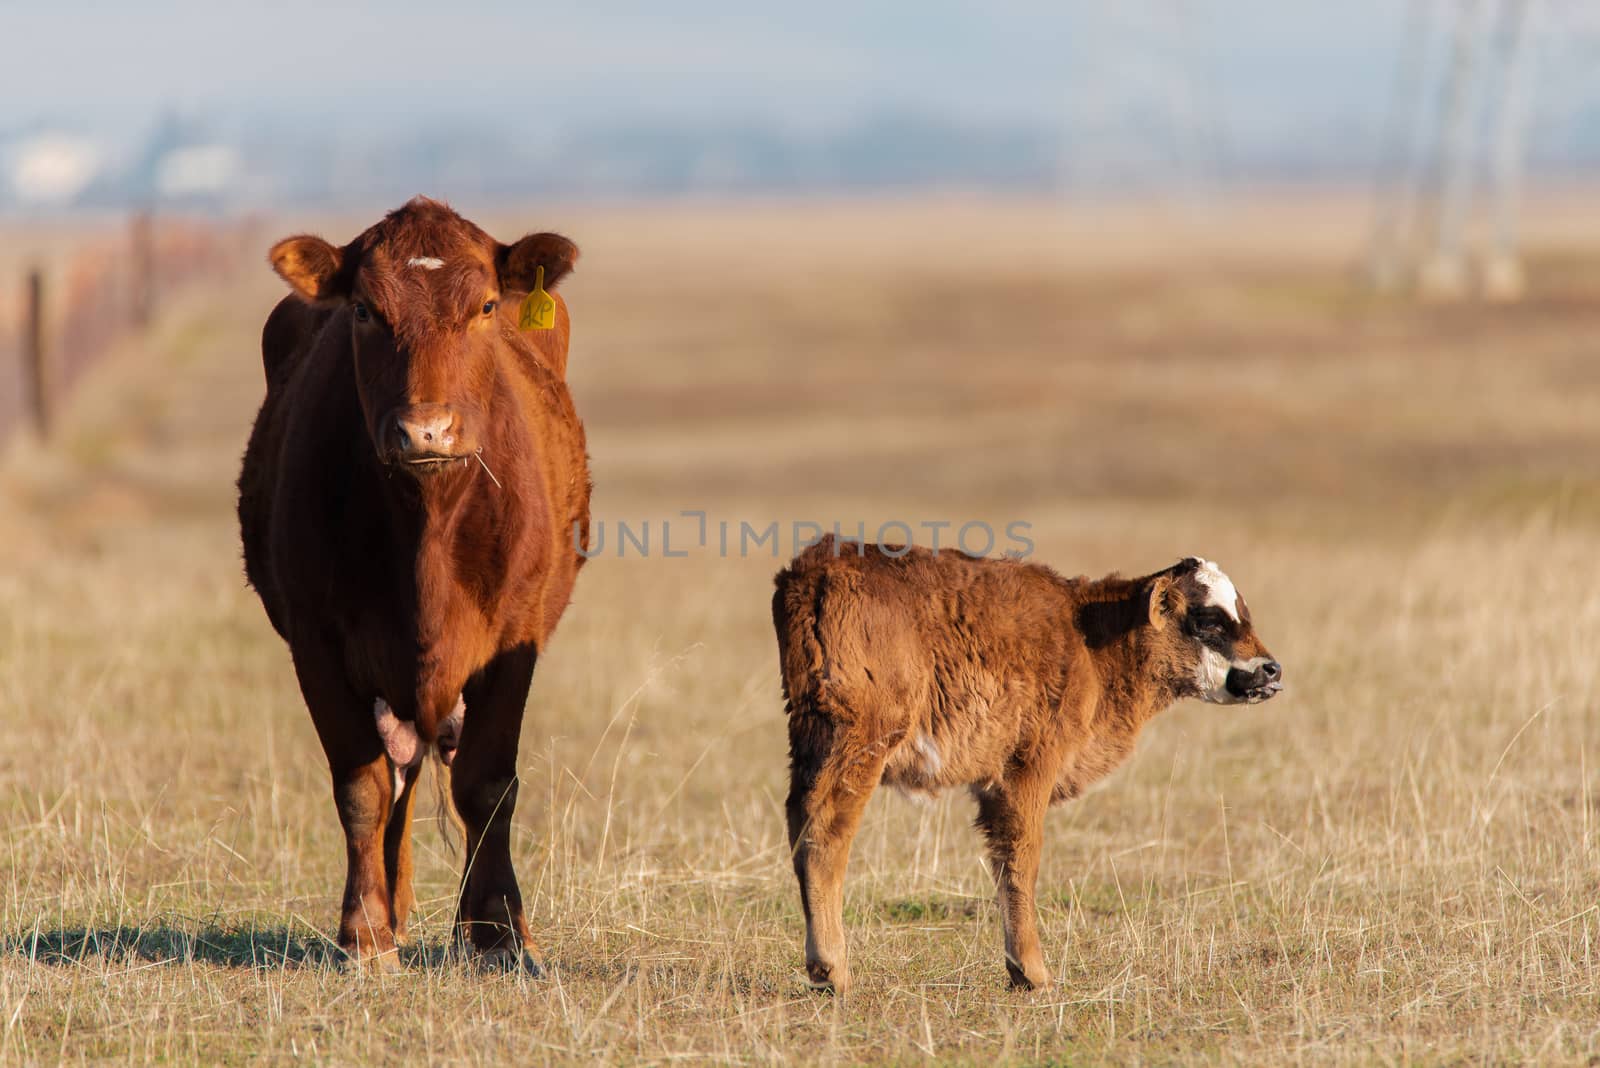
(410, 501)
(930, 670)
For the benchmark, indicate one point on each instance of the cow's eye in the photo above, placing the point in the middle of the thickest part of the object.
(489, 307)
(361, 312)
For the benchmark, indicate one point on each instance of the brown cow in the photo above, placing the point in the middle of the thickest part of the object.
(927, 670)
(413, 504)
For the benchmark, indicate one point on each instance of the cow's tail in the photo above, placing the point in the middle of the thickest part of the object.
(444, 810)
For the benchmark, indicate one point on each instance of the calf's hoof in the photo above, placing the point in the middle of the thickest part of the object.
(1027, 976)
(828, 978)
(371, 960)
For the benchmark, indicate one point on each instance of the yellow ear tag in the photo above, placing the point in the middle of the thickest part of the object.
(538, 311)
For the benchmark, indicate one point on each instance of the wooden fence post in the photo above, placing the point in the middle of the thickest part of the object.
(144, 270)
(35, 371)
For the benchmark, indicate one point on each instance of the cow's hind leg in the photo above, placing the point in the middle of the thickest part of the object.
(483, 783)
(833, 772)
(404, 747)
(363, 790)
(1011, 817)
(397, 850)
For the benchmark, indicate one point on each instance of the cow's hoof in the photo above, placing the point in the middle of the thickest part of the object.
(509, 961)
(827, 978)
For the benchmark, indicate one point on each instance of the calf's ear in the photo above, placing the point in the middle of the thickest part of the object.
(518, 264)
(1160, 606)
(313, 268)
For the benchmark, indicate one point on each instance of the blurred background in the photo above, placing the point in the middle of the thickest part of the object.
(204, 105)
(1420, 144)
(1311, 289)
(1431, 130)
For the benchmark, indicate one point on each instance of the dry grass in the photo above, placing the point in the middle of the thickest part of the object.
(1396, 861)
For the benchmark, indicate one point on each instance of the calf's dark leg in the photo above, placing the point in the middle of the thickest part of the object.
(833, 772)
(1011, 817)
(483, 783)
(363, 791)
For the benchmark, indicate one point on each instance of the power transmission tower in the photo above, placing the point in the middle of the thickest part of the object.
(1444, 268)
(1434, 175)
(1400, 163)
(1503, 277)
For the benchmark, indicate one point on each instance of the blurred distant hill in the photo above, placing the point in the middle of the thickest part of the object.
(197, 164)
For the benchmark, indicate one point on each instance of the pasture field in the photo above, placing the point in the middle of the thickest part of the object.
(1397, 861)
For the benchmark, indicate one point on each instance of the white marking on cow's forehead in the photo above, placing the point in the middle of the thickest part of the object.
(427, 263)
(1219, 586)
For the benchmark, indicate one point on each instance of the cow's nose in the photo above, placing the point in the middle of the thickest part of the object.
(423, 431)
(1271, 671)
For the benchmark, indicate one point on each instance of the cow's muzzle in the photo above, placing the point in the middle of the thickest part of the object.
(423, 436)
(1257, 680)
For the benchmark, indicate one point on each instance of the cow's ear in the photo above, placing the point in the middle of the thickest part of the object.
(518, 264)
(1161, 597)
(313, 268)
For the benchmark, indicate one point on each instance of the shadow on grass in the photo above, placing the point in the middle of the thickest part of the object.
(931, 909)
(238, 947)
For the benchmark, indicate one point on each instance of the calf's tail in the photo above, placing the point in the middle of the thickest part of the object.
(796, 610)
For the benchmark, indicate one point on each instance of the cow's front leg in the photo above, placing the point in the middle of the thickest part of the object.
(363, 791)
(483, 783)
(364, 794)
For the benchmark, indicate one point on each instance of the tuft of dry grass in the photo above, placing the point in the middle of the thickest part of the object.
(1395, 861)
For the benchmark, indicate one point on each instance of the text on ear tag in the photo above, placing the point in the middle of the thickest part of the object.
(538, 311)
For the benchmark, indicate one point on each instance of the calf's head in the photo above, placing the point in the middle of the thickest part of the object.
(1202, 626)
(422, 293)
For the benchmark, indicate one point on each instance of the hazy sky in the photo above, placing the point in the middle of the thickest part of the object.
(100, 65)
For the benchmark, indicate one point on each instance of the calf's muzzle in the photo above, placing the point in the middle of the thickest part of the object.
(1256, 680)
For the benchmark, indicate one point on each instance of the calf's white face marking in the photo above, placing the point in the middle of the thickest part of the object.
(1219, 588)
(1211, 675)
(427, 263)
